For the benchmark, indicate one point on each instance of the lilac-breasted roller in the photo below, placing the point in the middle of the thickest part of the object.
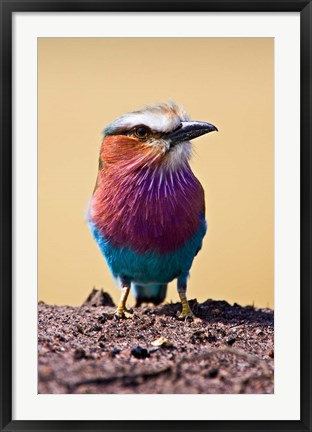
(147, 212)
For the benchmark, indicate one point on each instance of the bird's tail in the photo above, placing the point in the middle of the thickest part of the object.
(149, 293)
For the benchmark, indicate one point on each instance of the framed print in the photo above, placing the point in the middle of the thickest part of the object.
(143, 143)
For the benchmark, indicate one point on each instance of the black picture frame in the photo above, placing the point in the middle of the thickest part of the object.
(7, 8)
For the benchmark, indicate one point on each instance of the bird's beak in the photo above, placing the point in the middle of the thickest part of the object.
(188, 131)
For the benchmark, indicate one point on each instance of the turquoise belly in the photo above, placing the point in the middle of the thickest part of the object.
(150, 266)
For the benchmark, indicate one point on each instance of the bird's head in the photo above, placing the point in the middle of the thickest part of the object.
(154, 135)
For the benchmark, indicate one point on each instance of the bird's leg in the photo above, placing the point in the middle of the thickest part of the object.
(122, 311)
(186, 312)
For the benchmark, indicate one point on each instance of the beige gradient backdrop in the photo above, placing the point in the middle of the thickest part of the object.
(85, 83)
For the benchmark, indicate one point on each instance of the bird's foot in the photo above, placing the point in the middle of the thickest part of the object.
(186, 315)
(123, 313)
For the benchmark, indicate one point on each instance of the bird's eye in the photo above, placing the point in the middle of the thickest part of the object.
(141, 132)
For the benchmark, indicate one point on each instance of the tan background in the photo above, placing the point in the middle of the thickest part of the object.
(85, 83)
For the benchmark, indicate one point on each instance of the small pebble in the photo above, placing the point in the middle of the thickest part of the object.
(212, 373)
(139, 352)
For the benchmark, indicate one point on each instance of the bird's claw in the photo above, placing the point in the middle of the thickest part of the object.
(124, 313)
(186, 316)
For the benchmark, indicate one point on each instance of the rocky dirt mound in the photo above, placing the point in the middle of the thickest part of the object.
(226, 349)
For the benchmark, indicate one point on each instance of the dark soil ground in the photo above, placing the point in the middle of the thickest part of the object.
(226, 349)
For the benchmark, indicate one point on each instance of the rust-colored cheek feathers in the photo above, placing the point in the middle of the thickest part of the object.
(120, 149)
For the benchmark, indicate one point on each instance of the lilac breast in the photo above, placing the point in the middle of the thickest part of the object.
(148, 210)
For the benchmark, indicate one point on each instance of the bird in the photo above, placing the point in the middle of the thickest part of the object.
(147, 210)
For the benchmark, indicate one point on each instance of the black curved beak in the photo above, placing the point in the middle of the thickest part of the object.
(188, 131)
